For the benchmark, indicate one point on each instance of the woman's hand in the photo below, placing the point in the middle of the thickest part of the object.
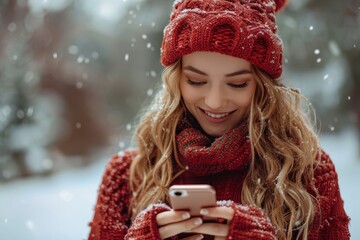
(171, 223)
(219, 230)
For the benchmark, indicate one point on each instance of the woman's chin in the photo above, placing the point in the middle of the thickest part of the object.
(214, 133)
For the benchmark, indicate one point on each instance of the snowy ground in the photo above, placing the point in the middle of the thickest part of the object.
(60, 206)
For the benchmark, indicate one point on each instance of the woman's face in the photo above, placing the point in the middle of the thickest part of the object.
(217, 89)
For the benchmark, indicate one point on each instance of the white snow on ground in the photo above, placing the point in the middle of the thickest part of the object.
(56, 207)
(60, 206)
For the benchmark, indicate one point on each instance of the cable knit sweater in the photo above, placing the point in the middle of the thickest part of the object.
(111, 219)
(223, 163)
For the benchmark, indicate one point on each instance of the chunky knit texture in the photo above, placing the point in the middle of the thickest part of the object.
(111, 219)
(202, 156)
(144, 226)
(246, 222)
(333, 223)
(241, 28)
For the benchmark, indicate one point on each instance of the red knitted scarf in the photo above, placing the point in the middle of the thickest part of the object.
(203, 155)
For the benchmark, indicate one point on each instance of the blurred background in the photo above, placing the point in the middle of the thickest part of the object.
(75, 73)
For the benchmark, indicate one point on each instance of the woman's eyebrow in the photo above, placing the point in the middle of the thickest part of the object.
(195, 70)
(241, 72)
(191, 68)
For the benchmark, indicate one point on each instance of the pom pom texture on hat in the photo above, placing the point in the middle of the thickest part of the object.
(240, 28)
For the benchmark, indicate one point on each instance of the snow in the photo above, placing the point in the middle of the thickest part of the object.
(55, 207)
(60, 206)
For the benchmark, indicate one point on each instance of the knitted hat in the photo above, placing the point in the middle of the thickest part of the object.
(241, 28)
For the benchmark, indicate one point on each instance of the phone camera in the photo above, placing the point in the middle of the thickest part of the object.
(178, 193)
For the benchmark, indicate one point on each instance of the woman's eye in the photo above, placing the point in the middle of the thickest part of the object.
(242, 85)
(191, 82)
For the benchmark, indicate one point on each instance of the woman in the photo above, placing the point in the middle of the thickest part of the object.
(224, 119)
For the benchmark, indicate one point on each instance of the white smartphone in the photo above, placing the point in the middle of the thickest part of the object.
(192, 197)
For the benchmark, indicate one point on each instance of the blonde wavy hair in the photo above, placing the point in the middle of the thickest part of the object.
(283, 143)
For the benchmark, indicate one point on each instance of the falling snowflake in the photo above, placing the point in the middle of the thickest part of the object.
(150, 92)
(334, 48)
(79, 85)
(153, 73)
(122, 145)
(80, 59)
(73, 50)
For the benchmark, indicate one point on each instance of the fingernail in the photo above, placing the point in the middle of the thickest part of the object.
(198, 221)
(200, 237)
(186, 215)
(204, 211)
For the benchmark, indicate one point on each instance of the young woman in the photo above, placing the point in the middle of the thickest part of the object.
(224, 119)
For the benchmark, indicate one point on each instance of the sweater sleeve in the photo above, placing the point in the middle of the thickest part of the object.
(249, 222)
(111, 218)
(331, 221)
(144, 226)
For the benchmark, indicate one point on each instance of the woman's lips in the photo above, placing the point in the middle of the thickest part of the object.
(216, 117)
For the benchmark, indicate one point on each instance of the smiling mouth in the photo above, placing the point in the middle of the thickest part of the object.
(217, 115)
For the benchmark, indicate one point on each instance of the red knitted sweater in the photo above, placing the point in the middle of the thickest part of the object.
(112, 221)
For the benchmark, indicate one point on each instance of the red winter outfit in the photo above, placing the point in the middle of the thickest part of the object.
(240, 28)
(222, 163)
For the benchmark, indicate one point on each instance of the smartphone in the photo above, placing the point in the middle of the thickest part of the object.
(192, 197)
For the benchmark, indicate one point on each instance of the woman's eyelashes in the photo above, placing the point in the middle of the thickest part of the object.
(233, 85)
(195, 83)
(238, 85)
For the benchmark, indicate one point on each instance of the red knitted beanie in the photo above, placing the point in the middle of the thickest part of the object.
(241, 28)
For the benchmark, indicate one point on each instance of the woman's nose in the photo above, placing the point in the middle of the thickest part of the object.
(214, 99)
